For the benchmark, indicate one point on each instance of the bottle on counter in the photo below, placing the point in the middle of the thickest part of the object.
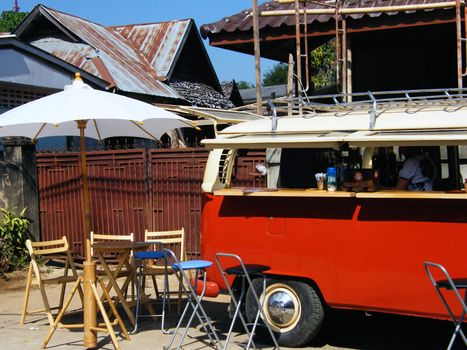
(340, 176)
(331, 179)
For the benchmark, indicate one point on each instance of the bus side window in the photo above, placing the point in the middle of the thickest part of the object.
(298, 167)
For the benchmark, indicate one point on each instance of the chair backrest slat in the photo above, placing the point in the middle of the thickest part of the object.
(99, 237)
(164, 233)
(173, 238)
(47, 247)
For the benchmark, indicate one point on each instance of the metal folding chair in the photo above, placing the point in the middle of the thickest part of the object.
(140, 259)
(452, 284)
(193, 300)
(246, 272)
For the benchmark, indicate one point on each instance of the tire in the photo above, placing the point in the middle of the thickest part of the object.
(295, 328)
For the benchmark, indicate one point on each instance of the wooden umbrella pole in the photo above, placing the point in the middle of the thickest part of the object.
(89, 267)
(86, 202)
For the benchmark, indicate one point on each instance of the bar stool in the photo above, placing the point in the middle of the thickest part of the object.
(140, 258)
(193, 301)
(245, 272)
(454, 285)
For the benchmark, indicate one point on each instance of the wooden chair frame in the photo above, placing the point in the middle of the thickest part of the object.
(48, 249)
(99, 237)
(164, 239)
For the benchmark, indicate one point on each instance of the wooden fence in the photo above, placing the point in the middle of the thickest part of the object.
(130, 190)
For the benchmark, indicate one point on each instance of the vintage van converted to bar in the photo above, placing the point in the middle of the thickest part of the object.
(359, 248)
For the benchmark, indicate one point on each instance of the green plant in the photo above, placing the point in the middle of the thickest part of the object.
(13, 235)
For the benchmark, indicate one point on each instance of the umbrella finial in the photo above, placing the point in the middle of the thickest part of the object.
(78, 83)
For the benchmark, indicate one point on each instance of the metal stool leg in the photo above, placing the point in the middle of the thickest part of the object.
(243, 271)
(453, 285)
(138, 293)
(192, 300)
(237, 303)
(139, 273)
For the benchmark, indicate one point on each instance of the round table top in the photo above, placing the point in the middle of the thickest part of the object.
(120, 246)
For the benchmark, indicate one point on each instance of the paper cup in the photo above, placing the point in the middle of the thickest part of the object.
(320, 184)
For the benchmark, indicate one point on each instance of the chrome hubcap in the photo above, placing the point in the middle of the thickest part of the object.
(282, 307)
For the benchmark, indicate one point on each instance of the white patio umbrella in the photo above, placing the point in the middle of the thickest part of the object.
(82, 111)
(108, 115)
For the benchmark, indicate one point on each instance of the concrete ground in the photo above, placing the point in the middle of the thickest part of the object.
(342, 329)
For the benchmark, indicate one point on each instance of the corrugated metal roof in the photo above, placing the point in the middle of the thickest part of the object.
(242, 21)
(201, 95)
(158, 42)
(128, 68)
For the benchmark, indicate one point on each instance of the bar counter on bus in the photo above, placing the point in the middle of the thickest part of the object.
(313, 192)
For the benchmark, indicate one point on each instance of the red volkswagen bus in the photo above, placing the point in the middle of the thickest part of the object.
(359, 247)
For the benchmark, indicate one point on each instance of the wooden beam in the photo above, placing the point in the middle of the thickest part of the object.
(328, 32)
(362, 10)
(459, 44)
(259, 105)
(298, 54)
(290, 84)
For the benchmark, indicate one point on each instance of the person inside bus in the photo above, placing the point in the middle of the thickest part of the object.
(359, 182)
(418, 171)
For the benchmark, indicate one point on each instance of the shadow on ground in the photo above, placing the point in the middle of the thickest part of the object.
(342, 330)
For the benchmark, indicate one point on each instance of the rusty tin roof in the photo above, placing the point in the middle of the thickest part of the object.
(159, 43)
(124, 56)
(242, 21)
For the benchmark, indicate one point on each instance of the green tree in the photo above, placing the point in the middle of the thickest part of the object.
(242, 84)
(276, 75)
(9, 20)
(322, 65)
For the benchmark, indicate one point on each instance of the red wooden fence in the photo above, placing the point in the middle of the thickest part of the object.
(130, 190)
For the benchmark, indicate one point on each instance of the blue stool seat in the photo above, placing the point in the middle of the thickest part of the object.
(192, 265)
(149, 255)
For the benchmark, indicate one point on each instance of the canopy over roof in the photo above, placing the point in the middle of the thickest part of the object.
(234, 32)
(220, 116)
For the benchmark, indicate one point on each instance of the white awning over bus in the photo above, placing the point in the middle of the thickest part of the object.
(260, 141)
(446, 137)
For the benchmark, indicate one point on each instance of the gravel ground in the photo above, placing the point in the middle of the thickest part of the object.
(342, 329)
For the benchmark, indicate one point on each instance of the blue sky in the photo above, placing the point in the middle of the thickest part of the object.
(228, 64)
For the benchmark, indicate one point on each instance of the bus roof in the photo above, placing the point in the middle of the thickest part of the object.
(433, 124)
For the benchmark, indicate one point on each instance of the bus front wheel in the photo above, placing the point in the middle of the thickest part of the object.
(293, 309)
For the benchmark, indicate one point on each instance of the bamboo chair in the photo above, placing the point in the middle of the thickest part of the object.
(174, 240)
(112, 259)
(48, 249)
(99, 237)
